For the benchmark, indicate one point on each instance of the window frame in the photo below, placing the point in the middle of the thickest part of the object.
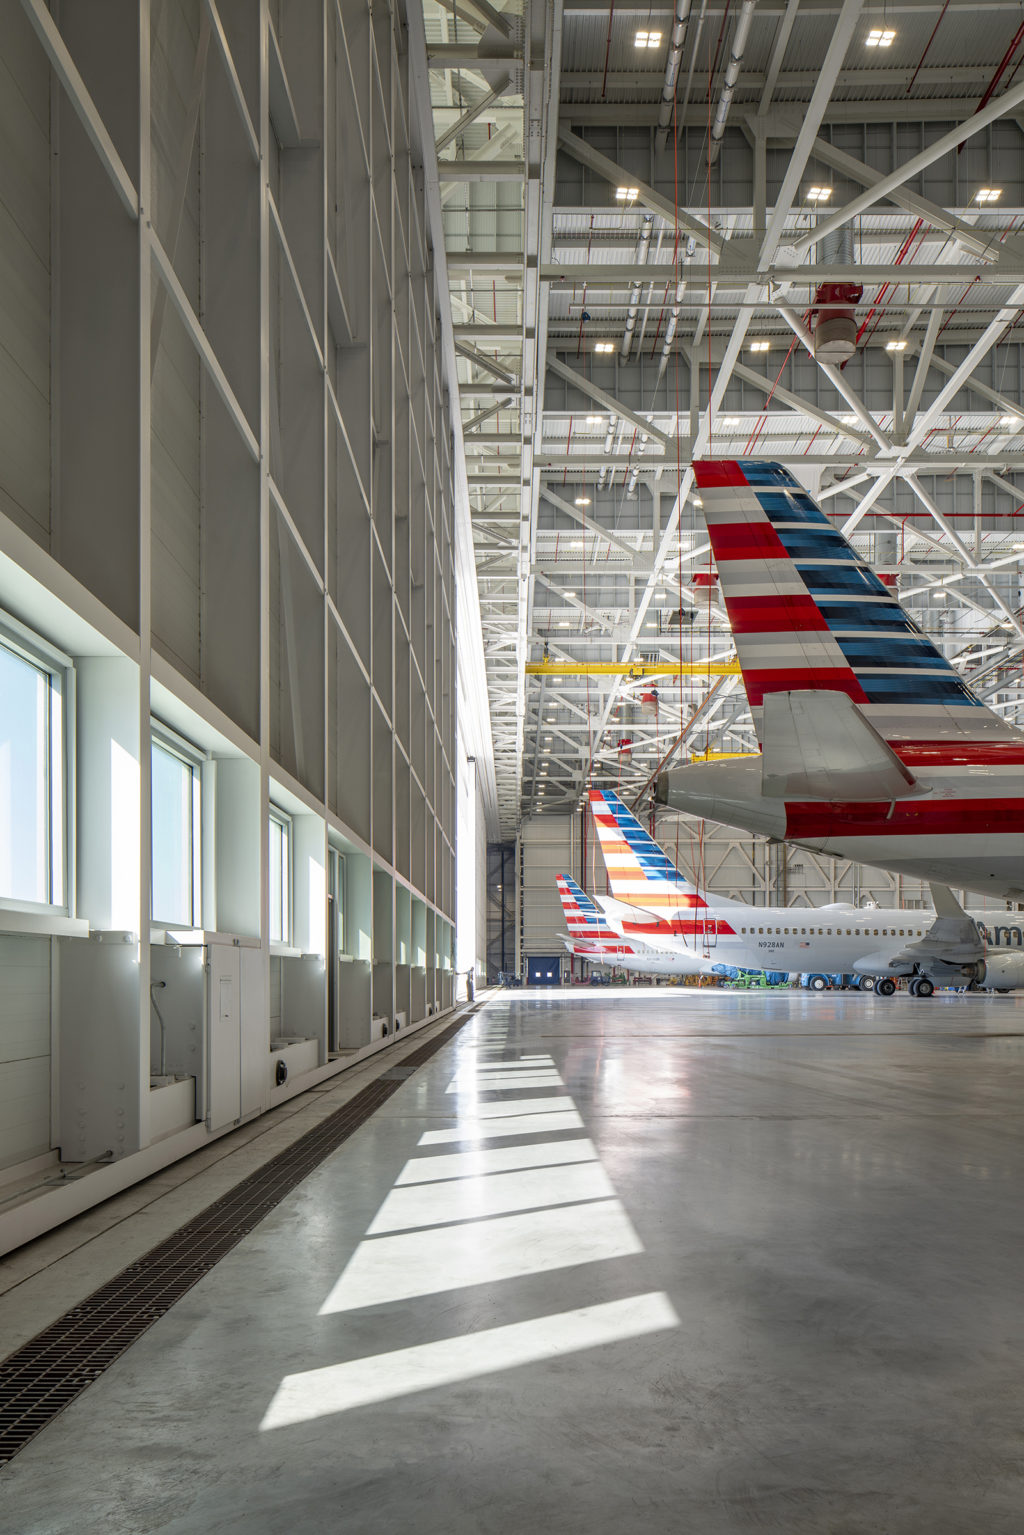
(27, 645)
(195, 759)
(281, 818)
(337, 860)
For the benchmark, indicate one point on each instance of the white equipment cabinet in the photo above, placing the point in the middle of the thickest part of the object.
(237, 1039)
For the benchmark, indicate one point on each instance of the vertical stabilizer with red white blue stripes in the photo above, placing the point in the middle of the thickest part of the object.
(808, 614)
(586, 924)
(639, 871)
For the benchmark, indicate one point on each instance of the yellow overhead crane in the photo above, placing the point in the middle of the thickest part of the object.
(634, 669)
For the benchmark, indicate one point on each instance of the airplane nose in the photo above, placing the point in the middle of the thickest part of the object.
(728, 792)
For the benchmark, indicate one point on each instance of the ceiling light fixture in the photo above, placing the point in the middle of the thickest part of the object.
(729, 421)
(626, 194)
(896, 346)
(604, 346)
(1013, 421)
(880, 37)
(582, 501)
(647, 40)
(595, 421)
(760, 346)
(818, 194)
(988, 195)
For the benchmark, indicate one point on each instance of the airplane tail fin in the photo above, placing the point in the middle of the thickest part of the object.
(809, 615)
(640, 873)
(582, 918)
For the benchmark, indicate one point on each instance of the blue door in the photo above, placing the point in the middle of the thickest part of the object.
(544, 970)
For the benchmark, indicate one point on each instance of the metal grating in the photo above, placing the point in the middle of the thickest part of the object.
(39, 1379)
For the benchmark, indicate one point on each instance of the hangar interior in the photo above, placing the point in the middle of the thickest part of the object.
(354, 359)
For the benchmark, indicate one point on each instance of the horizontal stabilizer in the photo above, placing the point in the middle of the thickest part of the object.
(953, 938)
(819, 746)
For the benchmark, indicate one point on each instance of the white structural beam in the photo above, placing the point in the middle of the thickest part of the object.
(614, 174)
(607, 401)
(1008, 102)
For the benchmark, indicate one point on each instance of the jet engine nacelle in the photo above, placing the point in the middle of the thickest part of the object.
(1003, 969)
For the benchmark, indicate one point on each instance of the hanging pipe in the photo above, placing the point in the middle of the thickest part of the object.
(634, 473)
(634, 297)
(613, 424)
(672, 63)
(670, 331)
(732, 74)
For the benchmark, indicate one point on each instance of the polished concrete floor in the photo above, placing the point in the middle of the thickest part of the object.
(612, 1261)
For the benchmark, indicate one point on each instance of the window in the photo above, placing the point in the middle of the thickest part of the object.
(34, 682)
(177, 830)
(280, 876)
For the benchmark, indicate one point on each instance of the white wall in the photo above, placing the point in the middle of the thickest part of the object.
(470, 873)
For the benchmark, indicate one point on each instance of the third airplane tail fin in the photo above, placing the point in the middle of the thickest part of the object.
(582, 917)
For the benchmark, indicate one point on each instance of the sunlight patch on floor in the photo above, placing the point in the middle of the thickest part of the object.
(489, 1194)
(481, 1160)
(479, 1216)
(383, 1377)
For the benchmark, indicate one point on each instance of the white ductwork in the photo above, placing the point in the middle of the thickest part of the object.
(672, 63)
(608, 441)
(732, 74)
(634, 298)
(670, 331)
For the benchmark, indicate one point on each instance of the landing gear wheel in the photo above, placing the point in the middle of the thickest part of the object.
(867, 983)
(913, 985)
(924, 988)
(818, 983)
(885, 987)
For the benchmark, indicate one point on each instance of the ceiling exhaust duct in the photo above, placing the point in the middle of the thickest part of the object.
(834, 318)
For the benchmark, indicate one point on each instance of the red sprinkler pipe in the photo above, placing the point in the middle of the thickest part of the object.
(1001, 69)
(927, 45)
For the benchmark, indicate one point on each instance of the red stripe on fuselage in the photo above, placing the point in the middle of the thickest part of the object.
(746, 541)
(960, 753)
(786, 614)
(810, 821)
(822, 679)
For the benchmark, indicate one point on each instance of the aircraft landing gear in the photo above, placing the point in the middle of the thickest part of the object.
(885, 987)
(912, 986)
(922, 987)
(818, 983)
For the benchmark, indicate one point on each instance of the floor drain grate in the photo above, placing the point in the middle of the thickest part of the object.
(45, 1374)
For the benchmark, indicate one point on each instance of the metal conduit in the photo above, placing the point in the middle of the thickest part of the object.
(732, 74)
(670, 331)
(643, 244)
(672, 63)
